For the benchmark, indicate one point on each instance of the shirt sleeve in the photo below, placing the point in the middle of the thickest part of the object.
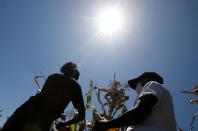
(153, 88)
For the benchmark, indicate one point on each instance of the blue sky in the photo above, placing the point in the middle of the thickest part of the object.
(40, 35)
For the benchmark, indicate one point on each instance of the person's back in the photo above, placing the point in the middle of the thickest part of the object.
(162, 117)
(57, 92)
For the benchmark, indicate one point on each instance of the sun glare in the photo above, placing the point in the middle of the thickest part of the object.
(110, 21)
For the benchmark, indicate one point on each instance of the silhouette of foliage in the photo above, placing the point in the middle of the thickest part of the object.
(36, 80)
(194, 92)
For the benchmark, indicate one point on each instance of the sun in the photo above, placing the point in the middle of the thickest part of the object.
(110, 21)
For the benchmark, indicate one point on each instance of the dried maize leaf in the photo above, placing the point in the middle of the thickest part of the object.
(193, 119)
(73, 127)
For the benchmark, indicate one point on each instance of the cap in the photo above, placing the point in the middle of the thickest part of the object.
(145, 77)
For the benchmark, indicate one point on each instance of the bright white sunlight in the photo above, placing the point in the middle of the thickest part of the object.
(110, 21)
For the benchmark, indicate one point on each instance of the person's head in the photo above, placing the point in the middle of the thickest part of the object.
(145, 78)
(69, 69)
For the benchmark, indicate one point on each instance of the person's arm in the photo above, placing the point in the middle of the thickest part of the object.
(134, 116)
(78, 103)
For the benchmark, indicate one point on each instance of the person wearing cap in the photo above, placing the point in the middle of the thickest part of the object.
(152, 111)
(39, 112)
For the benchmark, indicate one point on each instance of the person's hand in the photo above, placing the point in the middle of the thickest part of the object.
(100, 125)
(60, 125)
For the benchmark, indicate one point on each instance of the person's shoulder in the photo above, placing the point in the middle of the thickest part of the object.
(75, 82)
(153, 84)
(54, 76)
(153, 88)
(68, 80)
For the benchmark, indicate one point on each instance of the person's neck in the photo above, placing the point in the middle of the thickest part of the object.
(139, 88)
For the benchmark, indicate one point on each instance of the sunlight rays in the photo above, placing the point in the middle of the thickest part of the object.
(109, 21)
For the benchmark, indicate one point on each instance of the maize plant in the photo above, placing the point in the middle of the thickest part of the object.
(194, 91)
(81, 126)
(36, 80)
(111, 100)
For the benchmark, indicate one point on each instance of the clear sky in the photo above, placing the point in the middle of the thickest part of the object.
(40, 35)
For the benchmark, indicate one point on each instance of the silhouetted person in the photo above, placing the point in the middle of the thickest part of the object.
(152, 111)
(38, 113)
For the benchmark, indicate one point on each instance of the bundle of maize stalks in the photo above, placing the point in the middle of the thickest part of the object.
(111, 99)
